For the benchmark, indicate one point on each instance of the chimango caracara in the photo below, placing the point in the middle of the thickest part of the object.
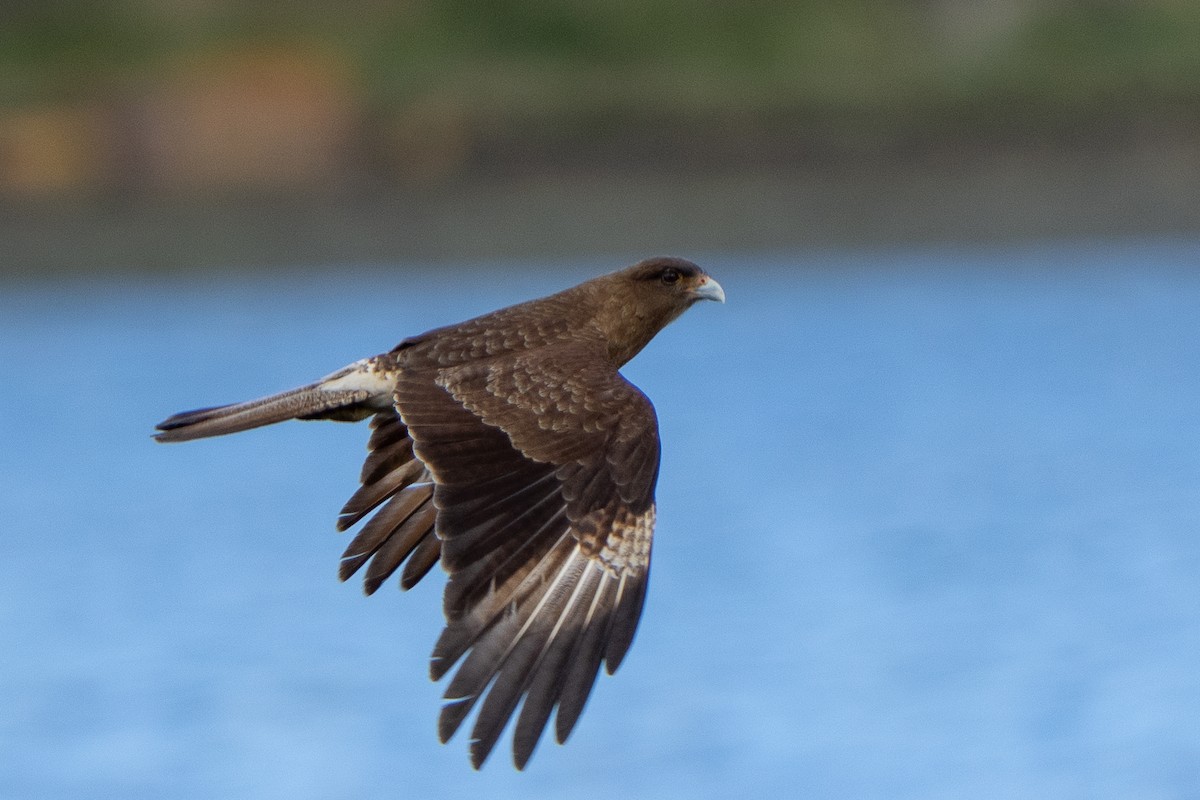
(511, 449)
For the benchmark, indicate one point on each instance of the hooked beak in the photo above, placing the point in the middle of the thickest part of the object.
(708, 289)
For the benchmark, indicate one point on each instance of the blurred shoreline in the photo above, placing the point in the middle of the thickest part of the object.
(157, 136)
(1143, 187)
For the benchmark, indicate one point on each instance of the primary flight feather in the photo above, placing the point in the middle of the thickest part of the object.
(510, 448)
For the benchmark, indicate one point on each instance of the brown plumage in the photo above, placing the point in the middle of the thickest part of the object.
(510, 448)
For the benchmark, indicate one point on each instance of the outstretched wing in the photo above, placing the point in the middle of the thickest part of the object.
(544, 465)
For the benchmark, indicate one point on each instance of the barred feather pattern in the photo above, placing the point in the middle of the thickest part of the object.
(547, 541)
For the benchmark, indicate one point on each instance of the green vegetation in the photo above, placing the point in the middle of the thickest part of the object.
(553, 60)
(152, 133)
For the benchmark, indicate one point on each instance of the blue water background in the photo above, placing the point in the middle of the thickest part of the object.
(929, 527)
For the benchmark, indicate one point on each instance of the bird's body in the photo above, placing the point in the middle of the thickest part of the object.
(510, 448)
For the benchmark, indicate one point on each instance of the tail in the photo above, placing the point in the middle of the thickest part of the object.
(350, 394)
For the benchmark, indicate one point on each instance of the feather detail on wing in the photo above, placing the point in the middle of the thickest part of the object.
(397, 487)
(544, 466)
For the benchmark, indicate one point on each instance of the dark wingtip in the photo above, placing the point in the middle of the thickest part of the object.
(372, 583)
(347, 568)
(451, 718)
(421, 561)
(522, 754)
(479, 752)
(439, 665)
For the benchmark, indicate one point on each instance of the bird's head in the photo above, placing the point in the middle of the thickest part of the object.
(641, 300)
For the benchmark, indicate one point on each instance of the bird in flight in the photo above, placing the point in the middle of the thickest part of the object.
(511, 449)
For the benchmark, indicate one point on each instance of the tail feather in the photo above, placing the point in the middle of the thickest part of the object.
(403, 531)
(351, 394)
(306, 403)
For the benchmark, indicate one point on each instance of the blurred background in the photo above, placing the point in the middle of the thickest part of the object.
(167, 134)
(928, 506)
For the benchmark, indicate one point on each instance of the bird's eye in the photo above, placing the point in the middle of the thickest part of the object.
(670, 276)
